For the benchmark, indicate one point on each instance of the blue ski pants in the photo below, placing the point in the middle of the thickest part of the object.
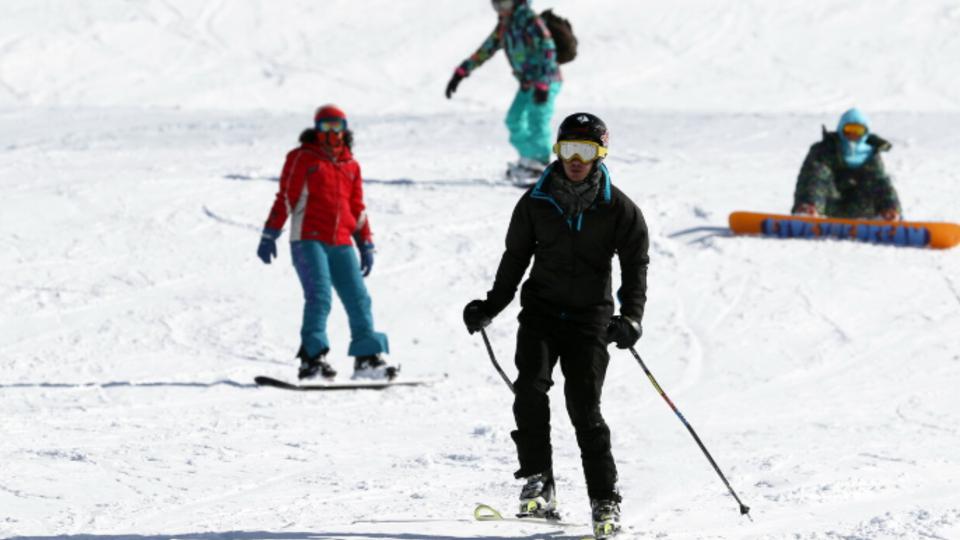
(320, 266)
(529, 124)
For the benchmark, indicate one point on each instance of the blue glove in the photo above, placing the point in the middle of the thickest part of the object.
(366, 254)
(366, 257)
(268, 245)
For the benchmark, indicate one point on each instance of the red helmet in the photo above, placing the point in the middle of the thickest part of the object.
(329, 112)
(331, 125)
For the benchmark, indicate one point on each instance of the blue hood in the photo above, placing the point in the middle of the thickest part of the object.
(855, 153)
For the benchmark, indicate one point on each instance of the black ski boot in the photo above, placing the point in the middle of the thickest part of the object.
(606, 517)
(373, 366)
(538, 498)
(311, 367)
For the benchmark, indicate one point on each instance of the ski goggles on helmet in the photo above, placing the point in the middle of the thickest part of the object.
(335, 125)
(502, 5)
(585, 151)
(854, 132)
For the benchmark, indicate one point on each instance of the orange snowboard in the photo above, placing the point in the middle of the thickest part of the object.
(897, 233)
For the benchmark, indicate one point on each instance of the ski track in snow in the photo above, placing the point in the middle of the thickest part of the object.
(139, 152)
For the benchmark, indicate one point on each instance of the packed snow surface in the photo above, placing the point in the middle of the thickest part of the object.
(140, 144)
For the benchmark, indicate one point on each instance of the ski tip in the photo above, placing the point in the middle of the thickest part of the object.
(485, 512)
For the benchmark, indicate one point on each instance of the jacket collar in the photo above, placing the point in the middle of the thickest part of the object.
(576, 222)
(877, 142)
(325, 152)
(539, 191)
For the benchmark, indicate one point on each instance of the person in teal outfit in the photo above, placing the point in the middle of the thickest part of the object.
(532, 53)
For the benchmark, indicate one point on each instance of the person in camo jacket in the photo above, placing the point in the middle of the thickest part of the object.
(843, 175)
(533, 57)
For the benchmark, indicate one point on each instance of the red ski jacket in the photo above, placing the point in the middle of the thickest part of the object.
(323, 195)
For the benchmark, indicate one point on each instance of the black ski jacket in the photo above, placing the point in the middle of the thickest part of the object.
(572, 258)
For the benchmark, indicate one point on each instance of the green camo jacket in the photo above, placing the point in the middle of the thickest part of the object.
(837, 190)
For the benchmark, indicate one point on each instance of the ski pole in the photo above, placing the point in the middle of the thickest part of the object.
(744, 509)
(493, 359)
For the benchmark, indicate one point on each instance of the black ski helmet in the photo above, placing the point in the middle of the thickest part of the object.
(583, 126)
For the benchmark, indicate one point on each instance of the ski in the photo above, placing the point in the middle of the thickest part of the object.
(485, 512)
(263, 380)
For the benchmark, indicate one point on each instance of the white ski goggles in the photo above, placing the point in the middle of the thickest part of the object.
(585, 151)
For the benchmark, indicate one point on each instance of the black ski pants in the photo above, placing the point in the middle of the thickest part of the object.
(582, 352)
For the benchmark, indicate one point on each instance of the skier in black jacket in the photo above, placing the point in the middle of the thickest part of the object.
(571, 223)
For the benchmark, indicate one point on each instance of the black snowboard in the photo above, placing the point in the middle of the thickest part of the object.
(348, 385)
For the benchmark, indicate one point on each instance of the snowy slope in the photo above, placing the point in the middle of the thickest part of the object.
(139, 148)
(389, 56)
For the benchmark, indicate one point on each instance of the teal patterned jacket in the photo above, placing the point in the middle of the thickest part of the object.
(528, 45)
(836, 190)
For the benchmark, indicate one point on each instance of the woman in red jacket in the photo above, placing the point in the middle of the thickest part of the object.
(321, 190)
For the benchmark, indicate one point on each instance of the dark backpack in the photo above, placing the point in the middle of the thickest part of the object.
(562, 34)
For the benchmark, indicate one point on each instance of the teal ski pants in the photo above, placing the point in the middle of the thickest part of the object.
(529, 124)
(320, 266)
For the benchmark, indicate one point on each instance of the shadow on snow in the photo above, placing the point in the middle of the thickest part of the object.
(129, 384)
(264, 535)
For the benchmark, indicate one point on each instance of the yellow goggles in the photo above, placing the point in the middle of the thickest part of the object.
(854, 132)
(585, 151)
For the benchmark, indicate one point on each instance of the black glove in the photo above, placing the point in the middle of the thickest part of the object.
(454, 82)
(623, 331)
(475, 316)
(540, 95)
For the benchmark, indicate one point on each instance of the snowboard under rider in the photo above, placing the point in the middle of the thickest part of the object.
(571, 224)
(532, 54)
(321, 191)
(844, 177)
